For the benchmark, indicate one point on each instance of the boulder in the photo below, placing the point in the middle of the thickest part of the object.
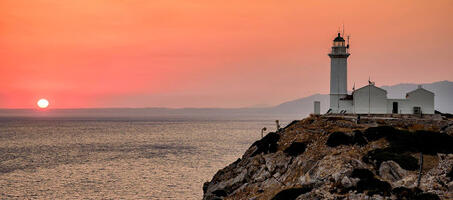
(261, 175)
(226, 187)
(346, 182)
(391, 171)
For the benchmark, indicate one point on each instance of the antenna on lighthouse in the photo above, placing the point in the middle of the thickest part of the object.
(343, 30)
(347, 46)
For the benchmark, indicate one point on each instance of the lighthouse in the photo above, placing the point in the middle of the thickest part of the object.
(368, 99)
(338, 73)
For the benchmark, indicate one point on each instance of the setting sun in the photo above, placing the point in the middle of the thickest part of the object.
(43, 103)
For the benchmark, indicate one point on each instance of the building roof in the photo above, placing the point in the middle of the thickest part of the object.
(419, 89)
(338, 38)
(366, 86)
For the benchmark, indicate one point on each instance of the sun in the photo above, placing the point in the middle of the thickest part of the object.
(43, 103)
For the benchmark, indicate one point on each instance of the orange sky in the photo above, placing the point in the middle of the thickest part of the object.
(145, 53)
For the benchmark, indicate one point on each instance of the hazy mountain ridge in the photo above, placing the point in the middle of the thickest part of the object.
(298, 108)
(443, 91)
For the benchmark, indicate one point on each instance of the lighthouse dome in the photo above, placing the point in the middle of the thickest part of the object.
(338, 38)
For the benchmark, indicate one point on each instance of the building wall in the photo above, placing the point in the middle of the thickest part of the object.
(338, 81)
(347, 105)
(370, 99)
(317, 107)
(373, 100)
(403, 106)
(422, 98)
(338, 76)
(335, 105)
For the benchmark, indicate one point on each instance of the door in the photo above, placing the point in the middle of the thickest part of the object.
(395, 108)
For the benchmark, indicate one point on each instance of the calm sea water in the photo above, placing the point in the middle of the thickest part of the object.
(117, 159)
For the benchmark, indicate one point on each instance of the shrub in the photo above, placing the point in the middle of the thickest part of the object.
(413, 193)
(380, 155)
(428, 142)
(427, 196)
(290, 124)
(359, 138)
(268, 144)
(362, 174)
(375, 133)
(434, 142)
(370, 184)
(340, 138)
(292, 193)
(404, 193)
(295, 149)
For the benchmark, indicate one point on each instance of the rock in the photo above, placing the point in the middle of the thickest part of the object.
(225, 187)
(271, 183)
(205, 186)
(298, 155)
(305, 180)
(240, 188)
(450, 187)
(336, 176)
(220, 193)
(377, 197)
(391, 171)
(262, 175)
(449, 130)
(346, 182)
(276, 161)
(239, 178)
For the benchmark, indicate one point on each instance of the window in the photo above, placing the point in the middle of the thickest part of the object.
(417, 110)
(338, 44)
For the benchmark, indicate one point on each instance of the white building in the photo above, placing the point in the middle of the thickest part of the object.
(369, 99)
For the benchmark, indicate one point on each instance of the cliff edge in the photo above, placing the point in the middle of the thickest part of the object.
(334, 157)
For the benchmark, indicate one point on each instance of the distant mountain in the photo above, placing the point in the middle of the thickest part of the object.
(295, 109)
(303, 106)
(443, 90)
(443, 99)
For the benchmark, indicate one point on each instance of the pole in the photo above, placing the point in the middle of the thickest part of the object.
(420, 170)
(369, 98)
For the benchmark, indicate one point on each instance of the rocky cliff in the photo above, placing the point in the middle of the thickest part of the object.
(334, 157)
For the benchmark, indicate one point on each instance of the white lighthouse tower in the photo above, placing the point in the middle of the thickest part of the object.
(338, 73)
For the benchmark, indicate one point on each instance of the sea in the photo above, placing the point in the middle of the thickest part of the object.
(118, 158)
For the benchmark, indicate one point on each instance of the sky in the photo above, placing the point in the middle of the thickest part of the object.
(169, 53)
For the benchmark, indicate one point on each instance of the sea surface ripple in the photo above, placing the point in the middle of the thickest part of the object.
(117, 159)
